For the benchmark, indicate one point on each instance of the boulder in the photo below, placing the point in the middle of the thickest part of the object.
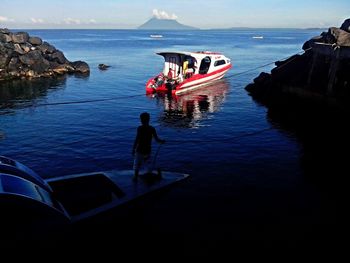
(5, 55)
(31, 57)
(26, 47)
(35, 41)
(103, 66)
(59, 57)
(346, 25)
(40, 66)
(4, 31)
(46, 48)
(4, 59)
(81, 67)
(14, 64)
(5, 38)
(20, 37)
(342, 37)
(18, 49)
(59, 68)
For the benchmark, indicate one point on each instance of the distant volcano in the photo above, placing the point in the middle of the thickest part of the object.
(164, 24)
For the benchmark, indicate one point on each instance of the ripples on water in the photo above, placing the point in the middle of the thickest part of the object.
(235, 176)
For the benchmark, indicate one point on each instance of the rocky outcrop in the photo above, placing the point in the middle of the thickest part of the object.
(24, 56)
(320, 74)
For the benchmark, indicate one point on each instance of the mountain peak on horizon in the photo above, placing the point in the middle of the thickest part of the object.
(168, 24)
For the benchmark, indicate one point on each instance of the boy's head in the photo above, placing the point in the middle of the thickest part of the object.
(144, 117)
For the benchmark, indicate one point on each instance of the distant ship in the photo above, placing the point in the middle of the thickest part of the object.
(258, 37)
(156, 36)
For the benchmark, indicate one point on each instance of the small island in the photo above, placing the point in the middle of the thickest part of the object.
(24, 57)
(164, 24)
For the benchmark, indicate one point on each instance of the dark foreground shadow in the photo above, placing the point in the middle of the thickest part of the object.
(324, 138)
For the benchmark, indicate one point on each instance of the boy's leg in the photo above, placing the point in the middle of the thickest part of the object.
(137, 164)
(148, 163)
(136, 174)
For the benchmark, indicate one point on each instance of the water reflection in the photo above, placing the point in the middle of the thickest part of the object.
(186, 111)
(21, 93)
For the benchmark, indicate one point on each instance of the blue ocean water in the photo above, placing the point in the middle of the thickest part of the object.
(242, 165)
(64, 139)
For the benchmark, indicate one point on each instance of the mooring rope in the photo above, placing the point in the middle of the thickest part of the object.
(142, 94)
(270, 63)
(211, 140)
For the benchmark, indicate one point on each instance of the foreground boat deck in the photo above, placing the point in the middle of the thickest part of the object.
(88, 194)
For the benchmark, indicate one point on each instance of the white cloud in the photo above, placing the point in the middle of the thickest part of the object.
(71, 21)
(75, 21)
(163, 15)
(37, 20)
(6, 19)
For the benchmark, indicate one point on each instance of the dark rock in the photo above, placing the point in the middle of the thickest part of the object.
(14, 64)
(59, 57)
(40, 66)
(320, 75)
(20, 37)
(103, 66)
(5, 55)
(4, 60)
(262, 78)
(346, 25)
(9, 45)
(4, 31)
(26, 47)
(46, 48)
(342, 38)
(18, 49)
(5, 38)
(35, 41)
(22, 56)
(59, 68)
(318, 39)
(81, 67)
(31, 57)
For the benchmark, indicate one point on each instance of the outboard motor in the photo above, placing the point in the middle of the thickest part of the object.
(170, 85)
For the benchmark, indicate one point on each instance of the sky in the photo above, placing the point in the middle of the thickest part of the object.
(204, 14)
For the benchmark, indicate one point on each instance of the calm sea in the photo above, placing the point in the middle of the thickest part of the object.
(247, 178)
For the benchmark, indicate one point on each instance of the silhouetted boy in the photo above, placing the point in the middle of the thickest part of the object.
(143, 144)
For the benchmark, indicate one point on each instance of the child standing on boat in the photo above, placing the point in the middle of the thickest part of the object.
(143, 144)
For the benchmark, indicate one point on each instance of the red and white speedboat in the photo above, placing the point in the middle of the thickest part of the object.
(186, 71)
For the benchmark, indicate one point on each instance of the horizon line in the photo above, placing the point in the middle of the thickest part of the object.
(194, 29)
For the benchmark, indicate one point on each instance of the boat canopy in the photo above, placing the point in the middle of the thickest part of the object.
(174, 60)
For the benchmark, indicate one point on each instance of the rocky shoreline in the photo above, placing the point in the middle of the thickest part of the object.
(25, 57)
(320, 76)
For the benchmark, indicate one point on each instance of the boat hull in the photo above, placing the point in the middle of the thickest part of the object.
(192, 83)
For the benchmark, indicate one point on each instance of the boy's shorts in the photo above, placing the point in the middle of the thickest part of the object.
(142, 160)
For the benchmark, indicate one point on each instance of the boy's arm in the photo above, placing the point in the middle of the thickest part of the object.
(156, 137)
